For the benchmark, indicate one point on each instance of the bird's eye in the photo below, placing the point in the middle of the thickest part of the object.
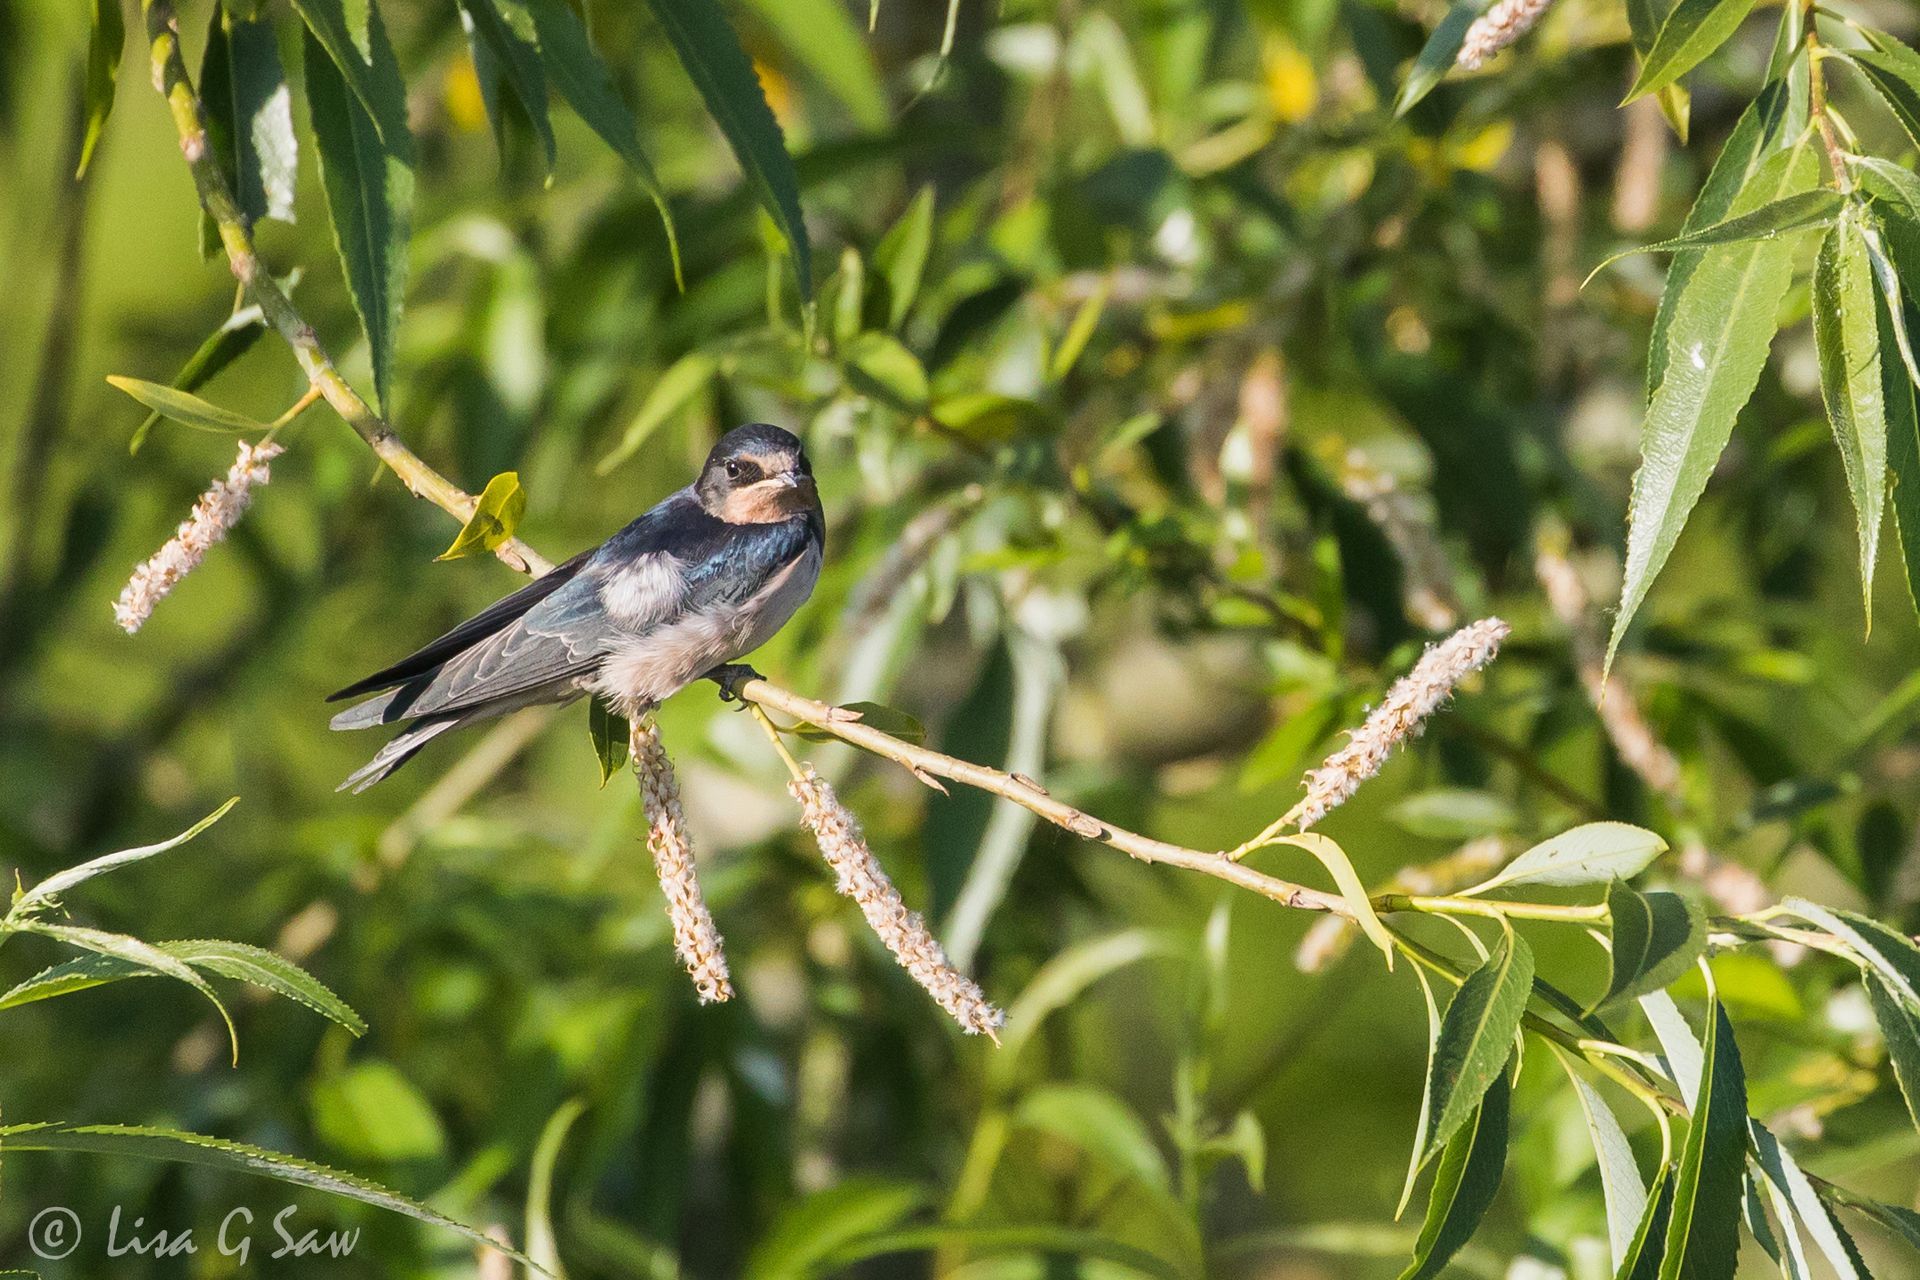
(732, 468)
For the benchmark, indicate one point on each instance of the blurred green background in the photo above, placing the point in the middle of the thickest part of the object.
(1339, 386)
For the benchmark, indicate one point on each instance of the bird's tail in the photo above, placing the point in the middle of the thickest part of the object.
(402, 747)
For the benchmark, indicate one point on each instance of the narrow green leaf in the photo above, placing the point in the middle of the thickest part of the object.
(542, 1246)
(584, 81)
(355, 44)
(1592, 853)
(1643, 24)
(1331, 856)
(611, 737)
(1682, 1055)
(1437, 56)
(233, 339)
(812, 1229)
(1894, 72)
(1656, 938)
(48, 891)
(1060, 981)
(684, 379)
(1899, 1219)
(1846, 333)
(1476, 1036)
(822, 37)
(179, 1147)
(1900, 1028)
(1464, 1184)
(186, 409)
(1759, 132)
(1098, 1123)
(1079, 332)
(1891, 955)
(1894, 316)
(1620, 1185)
(1703, 1235)
(1791, 213)
(1794, 1196)
(719, 67)
(1415, 1158)
(1721, 329)
(368, 177)
(505, 49)
(235, 960)
(134, 951)
(879, 365)
(1642, 1259)
(495, 517)
(249, 113)
(106, 39)
(900, 258)
(1691, 32)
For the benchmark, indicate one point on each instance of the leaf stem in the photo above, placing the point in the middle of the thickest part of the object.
(1491, 908)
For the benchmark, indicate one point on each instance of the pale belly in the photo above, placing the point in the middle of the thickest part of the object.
(666, 659)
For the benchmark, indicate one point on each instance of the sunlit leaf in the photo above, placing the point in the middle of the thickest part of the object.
(1893, 956)
(233, 339)
(1691, 32)
(1620, 1185)
(1079, 332)
(1098, 1123)
(367, 171)
(1800, 212)
(719, 67)
(1900, 396)
(1464, 1183)
(900, 259)
(1592, 853)
(814, 1229)
(1438, 55)
(1846, 334)
(1703, 1234)
(684, 379)
(134, 951)
(1894, 72)
(1795, 1198)
(496, 514)
(354, 41)
(1683, 1055)
(48, 891)
(1717, 343)
(1416, 1158)
(1331, 856)
(106, 40)
(178, 1147)
(1656, 938)
(1900, 1028)
(187, 409)
(880, 366)
(249, 113)
(1476, 1036)
(542, 1245)
(1756, 136)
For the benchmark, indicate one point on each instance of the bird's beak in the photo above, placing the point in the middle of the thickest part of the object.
(797, 491)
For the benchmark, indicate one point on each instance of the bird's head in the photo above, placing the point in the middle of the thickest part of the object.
(757, 474)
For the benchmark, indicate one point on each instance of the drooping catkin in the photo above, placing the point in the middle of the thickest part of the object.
(214, 515)
(1399, 716)
(695, 938)
(1497, 28)
(859, 876)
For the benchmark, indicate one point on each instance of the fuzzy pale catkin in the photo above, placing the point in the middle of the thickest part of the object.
(859, 876)
(1497, 28)
(1399, 716)
(213, 517)
(695, 938)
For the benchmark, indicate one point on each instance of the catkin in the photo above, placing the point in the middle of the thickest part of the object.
(1497, 28)
(695, 938)
(858, 875)
(214, 515)
(1399, 716)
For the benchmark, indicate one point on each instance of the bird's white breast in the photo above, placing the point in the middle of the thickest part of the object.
(665, 659)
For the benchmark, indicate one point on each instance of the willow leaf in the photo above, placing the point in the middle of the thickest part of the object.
(1476, 1036)
(1703, 1234)
(1465, 1183)
(1846, 334)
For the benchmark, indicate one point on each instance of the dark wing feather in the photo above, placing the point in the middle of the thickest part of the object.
(563, 637)
(488, 621)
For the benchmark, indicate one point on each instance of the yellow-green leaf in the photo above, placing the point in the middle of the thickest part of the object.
(185, 408)
(495, 516)
(1340, 867)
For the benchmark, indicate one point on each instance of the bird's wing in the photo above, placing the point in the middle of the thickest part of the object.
(562, 637)
(489, 621)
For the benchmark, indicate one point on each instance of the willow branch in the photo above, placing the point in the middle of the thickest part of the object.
(171, 80)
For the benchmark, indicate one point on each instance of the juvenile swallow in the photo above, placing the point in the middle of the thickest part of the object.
(705, 577)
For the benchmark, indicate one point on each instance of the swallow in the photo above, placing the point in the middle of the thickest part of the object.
(702, 579)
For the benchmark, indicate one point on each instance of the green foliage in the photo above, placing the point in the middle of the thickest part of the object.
(496, 515)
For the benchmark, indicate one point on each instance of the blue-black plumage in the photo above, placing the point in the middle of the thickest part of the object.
(702, 579)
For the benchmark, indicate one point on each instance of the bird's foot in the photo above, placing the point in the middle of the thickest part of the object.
(730, 676)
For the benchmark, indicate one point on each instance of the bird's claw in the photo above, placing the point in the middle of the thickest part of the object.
(730, 676)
